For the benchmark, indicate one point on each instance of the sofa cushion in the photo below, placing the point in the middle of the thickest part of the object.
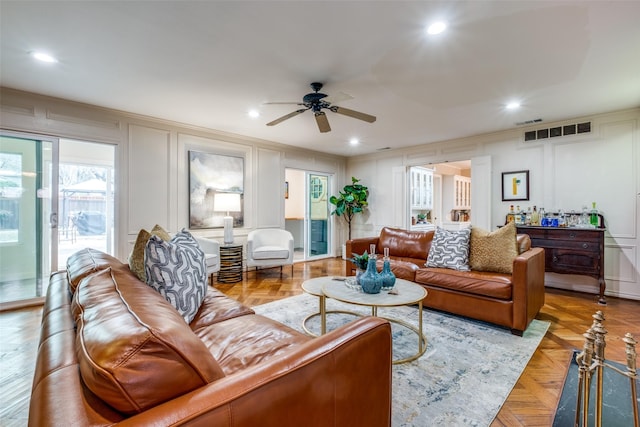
(486, 284)
(493, 251)
(246, 341)
(88, 261)
(401, 269)
(450, 249)
(405, 244)
(270, 252)
(136, 258)
(217, 307)
(134, 349)
(177, 270)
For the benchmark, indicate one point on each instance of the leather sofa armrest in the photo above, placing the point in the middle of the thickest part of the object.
(341, 378)
(357, 246)
(528, 287)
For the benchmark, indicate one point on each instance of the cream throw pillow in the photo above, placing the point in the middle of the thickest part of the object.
(493, 251)
(136, 258)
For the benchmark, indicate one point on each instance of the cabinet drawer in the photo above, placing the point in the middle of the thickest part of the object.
(569, 234)
(580, 245)
(572, 235)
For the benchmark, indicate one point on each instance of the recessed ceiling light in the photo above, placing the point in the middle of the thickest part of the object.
(513, 105)
(254, 114)
(354, 141)
(44, 57)
(436, 28)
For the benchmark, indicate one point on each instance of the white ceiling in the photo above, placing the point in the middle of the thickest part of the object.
(207, 63)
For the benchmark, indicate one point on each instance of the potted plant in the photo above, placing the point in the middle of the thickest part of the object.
(360, 261)
(351, 201)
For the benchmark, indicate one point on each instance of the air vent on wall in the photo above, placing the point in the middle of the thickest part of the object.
(556, 131)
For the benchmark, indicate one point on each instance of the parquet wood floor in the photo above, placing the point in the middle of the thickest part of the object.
(532, 401)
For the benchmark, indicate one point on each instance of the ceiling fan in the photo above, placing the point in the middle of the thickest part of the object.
(316, 102)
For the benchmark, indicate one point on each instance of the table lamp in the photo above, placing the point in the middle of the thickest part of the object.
(227, 202)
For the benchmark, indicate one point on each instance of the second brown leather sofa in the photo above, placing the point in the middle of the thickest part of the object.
(510, 300)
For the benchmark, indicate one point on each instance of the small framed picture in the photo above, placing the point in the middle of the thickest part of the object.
(515, 186)
(286, 189)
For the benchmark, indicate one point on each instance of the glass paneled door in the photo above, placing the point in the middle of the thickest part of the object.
(28, 215)
(317, 215)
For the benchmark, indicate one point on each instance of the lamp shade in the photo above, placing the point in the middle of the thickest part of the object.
(226, 202)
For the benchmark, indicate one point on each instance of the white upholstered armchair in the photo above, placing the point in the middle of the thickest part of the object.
(269, 247)
(211, 249)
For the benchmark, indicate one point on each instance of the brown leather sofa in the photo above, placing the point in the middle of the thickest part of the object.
(510, 300)
(114, 352)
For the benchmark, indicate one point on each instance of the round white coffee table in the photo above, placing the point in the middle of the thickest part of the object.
(407, 293)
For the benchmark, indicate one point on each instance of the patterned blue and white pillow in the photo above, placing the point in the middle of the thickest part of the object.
(177, 270)
(450, 249)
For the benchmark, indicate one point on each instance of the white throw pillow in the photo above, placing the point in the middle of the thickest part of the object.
(450, 249)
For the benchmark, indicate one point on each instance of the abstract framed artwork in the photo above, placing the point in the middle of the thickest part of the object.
(515, 186)
(210, 174)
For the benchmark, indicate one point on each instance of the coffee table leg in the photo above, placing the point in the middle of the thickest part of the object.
(323, 315)
(420, 336)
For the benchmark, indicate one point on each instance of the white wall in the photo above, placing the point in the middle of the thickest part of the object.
(151, 173)
(152, 163)
(565, 173)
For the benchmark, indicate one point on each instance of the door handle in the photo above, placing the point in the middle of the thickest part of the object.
(53, 220)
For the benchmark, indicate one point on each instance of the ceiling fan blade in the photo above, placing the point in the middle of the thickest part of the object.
(354, 114)
(282, 103)
(338, 97)
(286, 117)
(323, 122)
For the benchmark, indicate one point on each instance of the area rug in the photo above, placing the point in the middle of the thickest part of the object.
(616, 398)
(465, 375)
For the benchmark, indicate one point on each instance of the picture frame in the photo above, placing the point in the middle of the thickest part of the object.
(515, 186)
(211, 173)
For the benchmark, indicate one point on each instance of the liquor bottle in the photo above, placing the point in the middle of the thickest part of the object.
(594, 220)
(535, 218)
(585, 221)
(511, 216)
(528, 217)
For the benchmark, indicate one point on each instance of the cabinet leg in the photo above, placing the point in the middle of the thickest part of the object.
(602, 300)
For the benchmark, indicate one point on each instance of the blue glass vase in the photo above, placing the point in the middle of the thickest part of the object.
(387, 276)
(370, 280)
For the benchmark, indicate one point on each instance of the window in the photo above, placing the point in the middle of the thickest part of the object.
(10, 195)
(317, 188)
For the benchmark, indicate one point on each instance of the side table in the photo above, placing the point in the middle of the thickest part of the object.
(230, 264)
